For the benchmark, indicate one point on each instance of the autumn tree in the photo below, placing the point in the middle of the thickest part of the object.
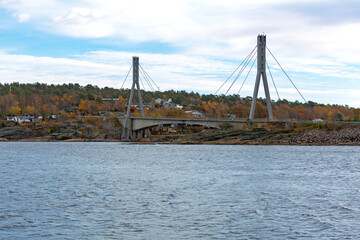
(29, 110)
(240, 110)
(83, 107)
(15, 109)
(38, 98)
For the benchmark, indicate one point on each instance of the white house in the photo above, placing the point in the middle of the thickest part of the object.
(195, 113)
(20, 119)
(163, 100)
(25, 119)
(110, 99)
(172, 106)
(11, 119)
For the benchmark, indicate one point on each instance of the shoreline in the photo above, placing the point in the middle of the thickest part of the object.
(300, 135)
(141, 141)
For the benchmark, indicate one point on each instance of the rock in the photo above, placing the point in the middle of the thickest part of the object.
(15, 133)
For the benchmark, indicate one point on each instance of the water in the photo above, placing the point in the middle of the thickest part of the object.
(133, 191)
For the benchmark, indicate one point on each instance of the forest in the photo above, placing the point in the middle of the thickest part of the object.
(71, 100)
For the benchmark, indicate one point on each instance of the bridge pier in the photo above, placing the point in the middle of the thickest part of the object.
(125, 134)
(127, 129)
(142, 133)
(130, 133)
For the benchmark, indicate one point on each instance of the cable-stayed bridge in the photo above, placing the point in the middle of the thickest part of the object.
(137, 126)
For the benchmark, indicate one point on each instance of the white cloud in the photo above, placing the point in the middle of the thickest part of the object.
(300, 35)
(215, 28)
(23, 17)
(169, 71)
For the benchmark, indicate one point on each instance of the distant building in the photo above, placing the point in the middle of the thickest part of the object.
(137, 106)
(25, 119)
(317, 120)
(39, 119)
(11, 119)
(172, 106)
(231, 116)
(163, 100)
(167, 103)
(110, 99)
(195, 113)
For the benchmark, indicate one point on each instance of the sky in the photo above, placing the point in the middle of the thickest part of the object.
(191, 45)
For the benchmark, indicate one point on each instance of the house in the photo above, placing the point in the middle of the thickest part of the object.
(20, 119)
(110, 99)
(195, 113)
(11, 119)
(172, 106)
(318, 120)
(231, 116)
(146, 105)
(39, 119)
(25, 119)
(163, 100)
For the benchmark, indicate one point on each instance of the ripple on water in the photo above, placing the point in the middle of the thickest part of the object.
(131, 191)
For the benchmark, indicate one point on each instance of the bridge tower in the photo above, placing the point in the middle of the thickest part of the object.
(135, 67)
(261, 71)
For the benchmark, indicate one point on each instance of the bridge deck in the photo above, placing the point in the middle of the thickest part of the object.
(137, 123)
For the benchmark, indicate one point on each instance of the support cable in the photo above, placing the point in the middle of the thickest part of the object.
(142, 70)
(142, 83)
(146, 80)
(286, 74)
(149, 77)
(244, 67)
(149, 82)
(272, 80)
(241, 71)
(274, 86)
(247, 76)
(126, 77)
(236, 69)
(246, 61)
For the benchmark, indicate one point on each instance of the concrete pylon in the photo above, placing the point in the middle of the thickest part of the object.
(127, 128)
(261, 71)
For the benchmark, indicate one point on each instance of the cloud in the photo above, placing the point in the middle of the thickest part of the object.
(216, 28)
(23, 17)
(83, 22)
(169, 71)
(316, 41)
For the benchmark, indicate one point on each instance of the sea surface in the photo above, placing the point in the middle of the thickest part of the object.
(136, 191)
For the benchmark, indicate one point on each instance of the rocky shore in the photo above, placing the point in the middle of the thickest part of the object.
(108, 130)
(88, 129)
(257, 136)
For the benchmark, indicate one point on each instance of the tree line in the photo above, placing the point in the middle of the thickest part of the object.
(70, 100)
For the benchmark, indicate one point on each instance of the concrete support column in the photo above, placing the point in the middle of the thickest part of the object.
(136, 84)
(261, 71)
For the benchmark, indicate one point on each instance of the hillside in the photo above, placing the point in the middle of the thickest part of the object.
(72, 100)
